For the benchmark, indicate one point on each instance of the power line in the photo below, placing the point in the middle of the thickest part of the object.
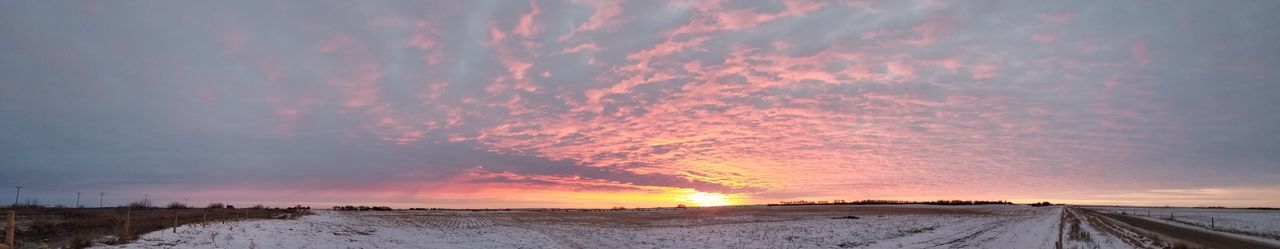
(15, 196)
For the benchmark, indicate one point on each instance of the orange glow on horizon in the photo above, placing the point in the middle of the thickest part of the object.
(704, 199)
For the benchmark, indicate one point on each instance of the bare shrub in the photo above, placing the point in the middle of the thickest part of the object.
(140, 204)
(176, 205)
(80, 227)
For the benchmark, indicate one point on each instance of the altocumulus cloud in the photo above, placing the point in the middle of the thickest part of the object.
(469, 102)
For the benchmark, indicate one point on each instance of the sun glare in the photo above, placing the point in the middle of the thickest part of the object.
(705, 199)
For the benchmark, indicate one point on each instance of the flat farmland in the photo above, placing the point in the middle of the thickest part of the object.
(1260, 223)
(1154, 227)
(82, 227)
(888, 226)
(817, 226)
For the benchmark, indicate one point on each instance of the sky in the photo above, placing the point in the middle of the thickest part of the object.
(640, 103)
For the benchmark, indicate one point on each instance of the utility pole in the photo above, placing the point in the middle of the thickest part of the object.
(146, 200)
(100, 198)
(15, 196)
(77, 199)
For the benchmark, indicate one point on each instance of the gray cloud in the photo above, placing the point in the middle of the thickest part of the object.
(1126, 96)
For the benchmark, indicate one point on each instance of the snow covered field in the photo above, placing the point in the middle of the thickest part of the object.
(1080, 231)
(890, 226)
(725, 227)
(1263, 224)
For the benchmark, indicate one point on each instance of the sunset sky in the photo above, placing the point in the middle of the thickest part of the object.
(640, 103)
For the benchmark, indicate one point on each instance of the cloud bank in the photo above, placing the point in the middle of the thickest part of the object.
(600, 103)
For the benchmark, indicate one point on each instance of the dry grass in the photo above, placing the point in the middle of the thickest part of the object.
(81, 227)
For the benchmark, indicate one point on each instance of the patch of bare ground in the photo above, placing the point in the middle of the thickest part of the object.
(1072, 230)
(82, 227)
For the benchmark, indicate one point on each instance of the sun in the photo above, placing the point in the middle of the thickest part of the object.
(705, 199)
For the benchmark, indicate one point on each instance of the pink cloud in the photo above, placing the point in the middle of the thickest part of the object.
(526, 85)
(870, 35)
(516, 59)
(433, 91)
(665, 122)
(674, 134)
(204, 93)
(712, 16)
(358, 82)
(233, 41)
(668, 47)
(984, 71)
(801, 7)
(527, 27)
(289, 113)
(517, 68)
(930, 30)
(605, 15)
(496, 35)
(742, 18)
(1138, 53)
(586, 46)
(1044, 38)
(422, 39)
(554, 182)
(948, 63)
(269, 69)
(900, 70)
(802, 95)
(334, 43)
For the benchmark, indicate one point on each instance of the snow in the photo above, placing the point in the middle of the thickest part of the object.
(1259, 224)
(1089, 236)
(995, 226)
(1010, 227)
(331, 229)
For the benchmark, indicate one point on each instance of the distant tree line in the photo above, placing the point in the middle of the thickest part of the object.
(891, 202)
(146, 204)
(362, 208)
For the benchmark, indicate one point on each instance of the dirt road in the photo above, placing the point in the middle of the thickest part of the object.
(1196, 236)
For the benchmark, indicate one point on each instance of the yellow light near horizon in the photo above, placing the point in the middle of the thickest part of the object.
(705, 199)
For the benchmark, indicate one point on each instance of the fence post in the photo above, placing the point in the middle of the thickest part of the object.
(204, 217)
(10, 228)
(175, 220)
(128, 218)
